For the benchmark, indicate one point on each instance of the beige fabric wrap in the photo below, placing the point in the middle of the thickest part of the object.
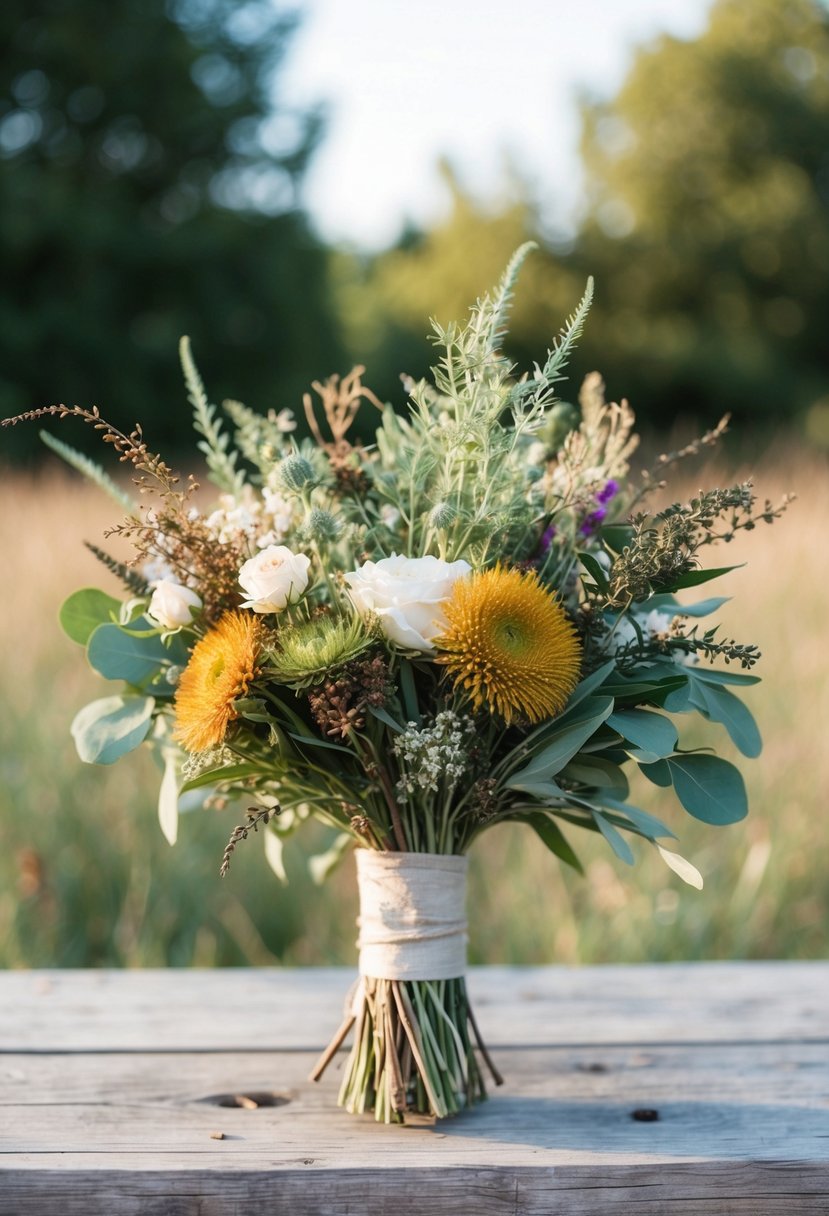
(412, 915)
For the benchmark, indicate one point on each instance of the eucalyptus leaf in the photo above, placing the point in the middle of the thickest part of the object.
(651, 732)
(659, 773)
(560, 746)
(678, 700)
(681, 866)
(212, 776)
(709, 788)
(647, 824)
(119, 654)
(168, 797)
(667, 603)
(589, 684)
(722, 706)
(597, 772)
(614, 838)
(712, 675)
(552, 836)
(85, 610)
(107, 729)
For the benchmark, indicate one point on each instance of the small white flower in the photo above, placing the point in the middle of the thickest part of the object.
(389, 515)
(173, 605)
(407, 594)
(274, 578)
(656, 623)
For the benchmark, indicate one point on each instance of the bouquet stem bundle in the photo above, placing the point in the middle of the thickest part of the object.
(413, 1051)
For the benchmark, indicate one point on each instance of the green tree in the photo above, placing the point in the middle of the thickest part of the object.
(149, 189)
(707, 221)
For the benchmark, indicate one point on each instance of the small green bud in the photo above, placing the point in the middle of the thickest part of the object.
(442, 516)
(322, 526)
(296, 473)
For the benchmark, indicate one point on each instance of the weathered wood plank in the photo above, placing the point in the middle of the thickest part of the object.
(559, 1106)
(284, 1008)
(767, 1189)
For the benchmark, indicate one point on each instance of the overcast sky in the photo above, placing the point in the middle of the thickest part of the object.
(408, 81)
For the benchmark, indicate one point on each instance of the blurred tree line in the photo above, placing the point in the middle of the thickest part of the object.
(149, 189)
(705, 225)
(150, 178)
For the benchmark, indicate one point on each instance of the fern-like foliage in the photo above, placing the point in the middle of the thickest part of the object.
(132, 580)
(539, 392)
(89, 469)
(258, 436)
(220, 457)
(502, 301)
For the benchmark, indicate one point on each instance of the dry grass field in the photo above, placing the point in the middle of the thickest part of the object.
(87, 879)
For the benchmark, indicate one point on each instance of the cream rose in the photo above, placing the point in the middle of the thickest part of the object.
(274, 578)
(172, 605)
(407, 594)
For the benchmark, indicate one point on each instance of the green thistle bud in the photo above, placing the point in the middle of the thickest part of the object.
(296, 473)
(442, 516)
(322, 526)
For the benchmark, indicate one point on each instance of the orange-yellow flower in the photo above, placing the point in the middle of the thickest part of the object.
(510, 645)
(221, 668)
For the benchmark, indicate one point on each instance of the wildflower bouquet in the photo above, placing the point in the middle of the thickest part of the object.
(469, 620)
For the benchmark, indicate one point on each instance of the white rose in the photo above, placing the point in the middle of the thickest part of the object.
(173, 605)
(274, 578)
(407, 594)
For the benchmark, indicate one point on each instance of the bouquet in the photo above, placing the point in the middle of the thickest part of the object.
(471, 618)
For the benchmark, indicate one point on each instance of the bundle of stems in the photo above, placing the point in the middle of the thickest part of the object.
(413, 1051)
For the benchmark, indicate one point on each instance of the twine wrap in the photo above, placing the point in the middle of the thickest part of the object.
(412, 915)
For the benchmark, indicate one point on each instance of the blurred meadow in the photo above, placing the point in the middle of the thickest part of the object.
(86, 877)
(154, 163)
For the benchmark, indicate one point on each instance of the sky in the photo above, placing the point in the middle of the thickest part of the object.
(484, 84)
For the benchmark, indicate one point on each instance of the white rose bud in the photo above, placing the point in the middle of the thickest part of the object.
(274, 578)
(173, 605)
(407, 594)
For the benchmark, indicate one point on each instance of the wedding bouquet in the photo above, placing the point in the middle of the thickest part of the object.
(470, 619)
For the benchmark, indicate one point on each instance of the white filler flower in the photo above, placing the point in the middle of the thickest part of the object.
(173, 605)
(407, 594)
(274, 578)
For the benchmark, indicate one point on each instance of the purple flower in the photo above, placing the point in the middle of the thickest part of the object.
(547, 538)
(610, 490)
(592, 521)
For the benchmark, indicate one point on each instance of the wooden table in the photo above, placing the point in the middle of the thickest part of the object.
(114, 1085)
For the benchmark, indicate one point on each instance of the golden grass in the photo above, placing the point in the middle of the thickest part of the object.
(86, 878)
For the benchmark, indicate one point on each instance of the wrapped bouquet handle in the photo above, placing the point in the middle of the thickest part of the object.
(413, 1045)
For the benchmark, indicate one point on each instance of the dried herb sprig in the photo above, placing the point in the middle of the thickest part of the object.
(254, 816)
(663, 547)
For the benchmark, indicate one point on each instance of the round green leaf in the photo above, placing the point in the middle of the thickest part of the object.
(709, 788)
(107, 729)
(84, 611)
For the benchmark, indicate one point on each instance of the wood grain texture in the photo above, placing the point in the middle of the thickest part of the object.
(112, 1084)
(279, 1008)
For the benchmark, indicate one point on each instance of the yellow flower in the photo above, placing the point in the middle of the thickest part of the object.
(220, 669)
(510, 645)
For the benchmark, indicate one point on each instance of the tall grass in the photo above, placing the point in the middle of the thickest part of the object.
(87, 879)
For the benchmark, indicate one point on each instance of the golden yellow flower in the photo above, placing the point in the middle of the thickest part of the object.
(510, 645)
(221, 667)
